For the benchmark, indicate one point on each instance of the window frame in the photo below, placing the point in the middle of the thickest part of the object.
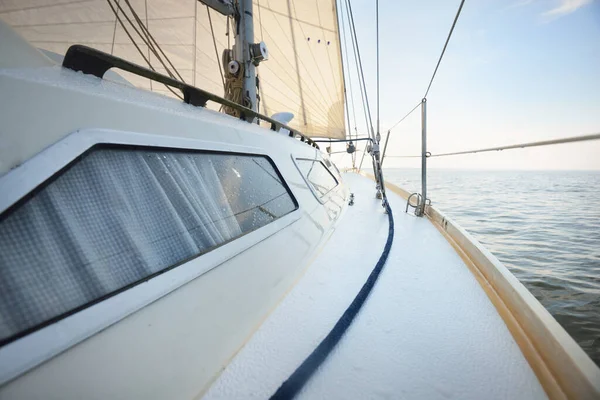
(36, 345)
(320, 198)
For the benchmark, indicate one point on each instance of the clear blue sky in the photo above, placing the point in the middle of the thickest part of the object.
(514, 71)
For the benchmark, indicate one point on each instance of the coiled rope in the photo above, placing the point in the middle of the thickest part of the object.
(234, 85)
(294, 384)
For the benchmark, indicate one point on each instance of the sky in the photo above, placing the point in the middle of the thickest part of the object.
(514, 71)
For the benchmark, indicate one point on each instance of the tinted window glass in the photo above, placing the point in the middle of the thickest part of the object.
(119, 216)
(317, 175)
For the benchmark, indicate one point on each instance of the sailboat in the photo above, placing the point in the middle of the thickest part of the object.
(173, 227)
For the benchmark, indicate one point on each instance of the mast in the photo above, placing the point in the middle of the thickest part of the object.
(244, 40)
(246, 54)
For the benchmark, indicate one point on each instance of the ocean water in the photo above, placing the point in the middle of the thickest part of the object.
(544, 226)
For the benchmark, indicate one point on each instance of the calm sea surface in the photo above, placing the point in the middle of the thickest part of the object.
(544, 226)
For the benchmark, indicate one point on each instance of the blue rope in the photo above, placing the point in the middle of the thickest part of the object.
(292, 386)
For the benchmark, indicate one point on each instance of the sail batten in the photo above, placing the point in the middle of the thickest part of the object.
(303, 74)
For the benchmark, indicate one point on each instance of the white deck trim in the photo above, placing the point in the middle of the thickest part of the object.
(562, 367)
(427, 330)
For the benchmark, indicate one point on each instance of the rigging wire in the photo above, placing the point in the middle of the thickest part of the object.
(296, 381)
(444, 49)
(148, 25)
(150, 41)
(361, 84)
(212, 31)
(377, 160)
(127, 32)
(406, 116)
(145, 36)
(387, 138)
(137, 46)
(353, 156)
(349, 76)
(377, 41)
(259, 83)
(112, 46)
(194, 57)
(260, 20)
(359, 65)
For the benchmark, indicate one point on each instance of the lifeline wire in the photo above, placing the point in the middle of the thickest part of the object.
(572, 139)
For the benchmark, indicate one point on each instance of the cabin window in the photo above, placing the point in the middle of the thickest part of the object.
(119, 216)
(317, 175)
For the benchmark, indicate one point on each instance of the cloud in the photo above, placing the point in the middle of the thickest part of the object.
(565, 7)
(521, 3)
(562, 8)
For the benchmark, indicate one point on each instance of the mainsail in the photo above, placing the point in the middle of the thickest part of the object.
(186, 39)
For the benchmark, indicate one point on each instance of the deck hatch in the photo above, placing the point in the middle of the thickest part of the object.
(121, 215)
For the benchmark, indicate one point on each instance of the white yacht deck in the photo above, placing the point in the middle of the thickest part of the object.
(428, 330)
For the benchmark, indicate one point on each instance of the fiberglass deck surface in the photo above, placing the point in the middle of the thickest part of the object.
(427, 331)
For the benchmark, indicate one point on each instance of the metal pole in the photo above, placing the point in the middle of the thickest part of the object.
(243, 38)
(387, 139)
(423, 156)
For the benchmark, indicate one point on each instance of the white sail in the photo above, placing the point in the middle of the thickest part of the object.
(304, 71)
(303, 74)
